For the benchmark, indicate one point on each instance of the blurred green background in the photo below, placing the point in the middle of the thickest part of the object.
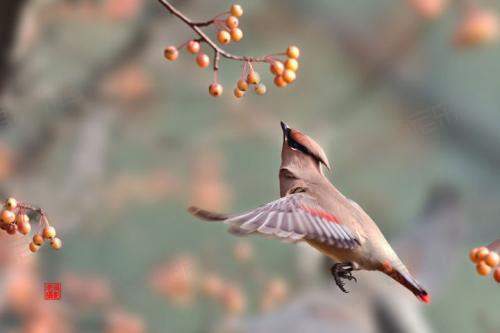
(114, 142)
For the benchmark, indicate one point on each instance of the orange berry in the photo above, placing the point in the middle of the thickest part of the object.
(236, 34)
(236, 10)
(22, 218)
(49, 232)
(24, 227)
(171, 53)
(473, 255)
(202, 60)
(233, 300)
(243, 251)
(292, 64)
(482, 252)
(260, 89)
(22, 221)
(238, 93)
(253, 77)
(478, 27)
(280, 82)
(277, 289)
(492, 259)
(289, 76)
(232, 22)
(11, 203)
(56, 243)
(496, 274)
(429, 9)
(8, 216)
(38, 239)
(242, 85)
(215, 89)
(277, 67)
(11, 229)
(293, 52)
(224, 37)
(193, 46)
(483, 269)
(212, 285)
(34, 247)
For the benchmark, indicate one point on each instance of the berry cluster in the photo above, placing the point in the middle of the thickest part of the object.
(227, 30)
(284, 73)
(486, 260)
(14, 218)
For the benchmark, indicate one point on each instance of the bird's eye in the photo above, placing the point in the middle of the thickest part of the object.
(293, 144)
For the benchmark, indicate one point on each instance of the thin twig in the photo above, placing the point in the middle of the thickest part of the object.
(196, 27)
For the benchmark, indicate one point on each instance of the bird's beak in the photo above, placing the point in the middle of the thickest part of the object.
(285, 129)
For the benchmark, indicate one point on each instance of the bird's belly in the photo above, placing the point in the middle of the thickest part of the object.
(356, 256)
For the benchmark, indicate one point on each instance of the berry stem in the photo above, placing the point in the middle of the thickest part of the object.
(271, 58)
(45, 221)
(244, 71)
(220, 25)
(209, 22)
(216, 76)
(204, 24)
(27, 207)
(182, 45)
(30, 207)
(195, 26)
(494, 246)
(216, 60)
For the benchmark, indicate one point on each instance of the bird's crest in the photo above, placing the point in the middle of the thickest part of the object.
(299, 141)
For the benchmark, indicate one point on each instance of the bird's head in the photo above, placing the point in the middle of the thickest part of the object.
(301, 156)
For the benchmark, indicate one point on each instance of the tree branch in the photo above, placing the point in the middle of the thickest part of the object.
(203, 37)
(9, 16)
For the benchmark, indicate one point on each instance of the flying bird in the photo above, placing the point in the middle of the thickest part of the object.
(312, 210)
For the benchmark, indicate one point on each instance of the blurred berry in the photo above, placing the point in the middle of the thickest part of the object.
(293, 52)
(236, 10)
(243, 251)
(492, 259)
(171, 53)
(232, 22)
(483, 269)
(193, 47)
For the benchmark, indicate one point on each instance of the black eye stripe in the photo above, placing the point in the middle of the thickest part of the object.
(317, 153)
(295, 145)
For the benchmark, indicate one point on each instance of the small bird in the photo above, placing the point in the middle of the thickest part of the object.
(312, 210)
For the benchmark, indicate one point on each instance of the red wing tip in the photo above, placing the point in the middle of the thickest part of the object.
(425, 298)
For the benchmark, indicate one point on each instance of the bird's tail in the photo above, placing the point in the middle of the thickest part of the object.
(404, 277)
(207, 215)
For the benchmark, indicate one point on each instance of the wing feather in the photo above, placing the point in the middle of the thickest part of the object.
(292, 218)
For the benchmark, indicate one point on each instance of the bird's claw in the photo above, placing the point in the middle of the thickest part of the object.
(342, 271)
(348, 275)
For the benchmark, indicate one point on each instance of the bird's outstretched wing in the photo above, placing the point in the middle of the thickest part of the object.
(292, 218)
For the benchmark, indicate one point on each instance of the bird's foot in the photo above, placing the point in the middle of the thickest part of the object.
(342, 271)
